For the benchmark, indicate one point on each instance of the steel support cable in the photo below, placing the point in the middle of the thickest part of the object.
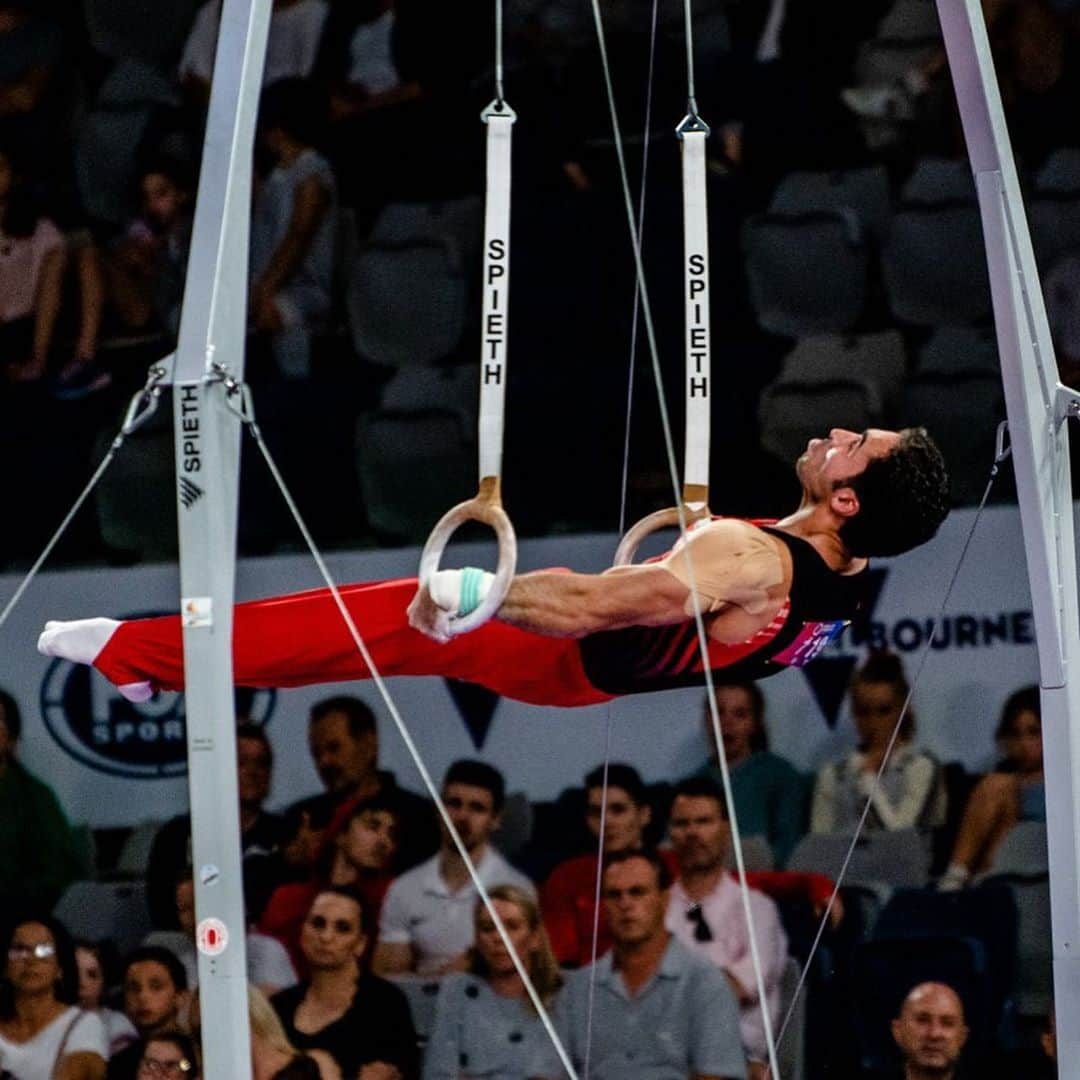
(669, 447)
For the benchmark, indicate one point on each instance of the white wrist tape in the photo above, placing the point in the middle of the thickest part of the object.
(460, 592)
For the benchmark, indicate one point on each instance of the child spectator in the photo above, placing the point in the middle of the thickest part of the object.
(93, 982)
(155, 992)
(33, 258)
(911, 792)
(1013, 792)
(145, 268)
(294, 227)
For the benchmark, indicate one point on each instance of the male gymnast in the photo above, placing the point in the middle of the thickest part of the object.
(771, 595)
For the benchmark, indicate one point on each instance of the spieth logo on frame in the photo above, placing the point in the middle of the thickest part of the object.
(92, 723)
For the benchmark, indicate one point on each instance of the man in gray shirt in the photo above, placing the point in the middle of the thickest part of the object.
(659, 1012)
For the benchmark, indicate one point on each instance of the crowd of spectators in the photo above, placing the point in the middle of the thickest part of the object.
(371, 955)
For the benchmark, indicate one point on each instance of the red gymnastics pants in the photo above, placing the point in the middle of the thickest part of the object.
(302, 639)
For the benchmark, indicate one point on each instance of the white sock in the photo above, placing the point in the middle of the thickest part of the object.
(954, 878)
(81, 642)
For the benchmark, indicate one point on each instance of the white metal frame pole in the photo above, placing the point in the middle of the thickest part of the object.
(209, 354)
(1037, 409)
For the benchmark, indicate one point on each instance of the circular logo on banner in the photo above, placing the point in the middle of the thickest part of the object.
(212, 937)
(93, 723)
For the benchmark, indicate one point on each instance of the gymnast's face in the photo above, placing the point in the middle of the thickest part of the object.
(827, 463)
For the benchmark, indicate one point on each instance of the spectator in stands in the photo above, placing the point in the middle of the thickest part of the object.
(93, 982)
(43, 1033)
(37, 850)
(155, 994)
(911, 792)
(33, 259)
(169, 1054)
(294, 226)
(485, 1023)
(344, 743)
(427, 916)
(568, 897)
(295, 30)
(648, 985)
(356, 1017)
(360, 857)
(260, 831)
(930, 1032)
(268, 963)
(1014, 792)
(31, 55)
(273, 1057)
(705, 912)
(770, 794)
(145, 267)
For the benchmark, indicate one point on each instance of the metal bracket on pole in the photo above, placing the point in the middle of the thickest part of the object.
(1037, 404)
(207, 437)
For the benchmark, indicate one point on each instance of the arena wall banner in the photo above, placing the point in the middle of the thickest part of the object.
(113, 763)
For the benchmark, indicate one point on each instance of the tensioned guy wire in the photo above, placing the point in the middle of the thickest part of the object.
(244, 410)
(1000, 456)
(609, 708)
(669, 447)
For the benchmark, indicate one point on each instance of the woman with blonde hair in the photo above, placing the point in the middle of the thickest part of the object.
(485, 1023)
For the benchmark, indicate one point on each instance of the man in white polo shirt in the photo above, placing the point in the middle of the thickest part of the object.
(427, 917)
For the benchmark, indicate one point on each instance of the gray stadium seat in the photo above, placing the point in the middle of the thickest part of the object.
(938, 180)
(806, 273)
(413, 466)
(106, 909)
(910, 20)
(451, 388)
(791, 1053)
(898, 859)
(961, 411)
(959, 350)
(879, 360)
(1055, 227)
(515, 824)
(135, 499)
(790, 413)
(1060, 173)
(864, 192)
(934, 266)
(406, 305)
(134, 856)
(1023, 852)
(757, 855)
(885, 61)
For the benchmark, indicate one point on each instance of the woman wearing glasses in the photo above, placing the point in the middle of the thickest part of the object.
(485, 1023)
(169, 1055)
(362, 1021)
(43, 1034)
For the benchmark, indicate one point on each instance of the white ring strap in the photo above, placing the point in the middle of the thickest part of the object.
(486, 507)
(695, 493)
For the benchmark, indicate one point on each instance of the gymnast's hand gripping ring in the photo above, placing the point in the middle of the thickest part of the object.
(485, 507)
(693, 510)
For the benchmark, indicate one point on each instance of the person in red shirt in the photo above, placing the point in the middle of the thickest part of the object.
(360, 857)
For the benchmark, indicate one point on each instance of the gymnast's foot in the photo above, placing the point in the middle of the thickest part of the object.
(81, 641)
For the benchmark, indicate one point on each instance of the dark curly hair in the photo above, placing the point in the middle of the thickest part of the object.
(903, 498)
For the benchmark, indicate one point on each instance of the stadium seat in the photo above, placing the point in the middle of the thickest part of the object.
(936, 180)
(790, 412)
(515, 824)
(988, 915)
(923, 286)
(878, 360)
(1023, 852)
(413, 466)
(864, 192)
(897, 859)
(807, 273)
(100, 910)
(791, 1052)
(910, 20)
(121, 29)
(757, 855)
(134, 858)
